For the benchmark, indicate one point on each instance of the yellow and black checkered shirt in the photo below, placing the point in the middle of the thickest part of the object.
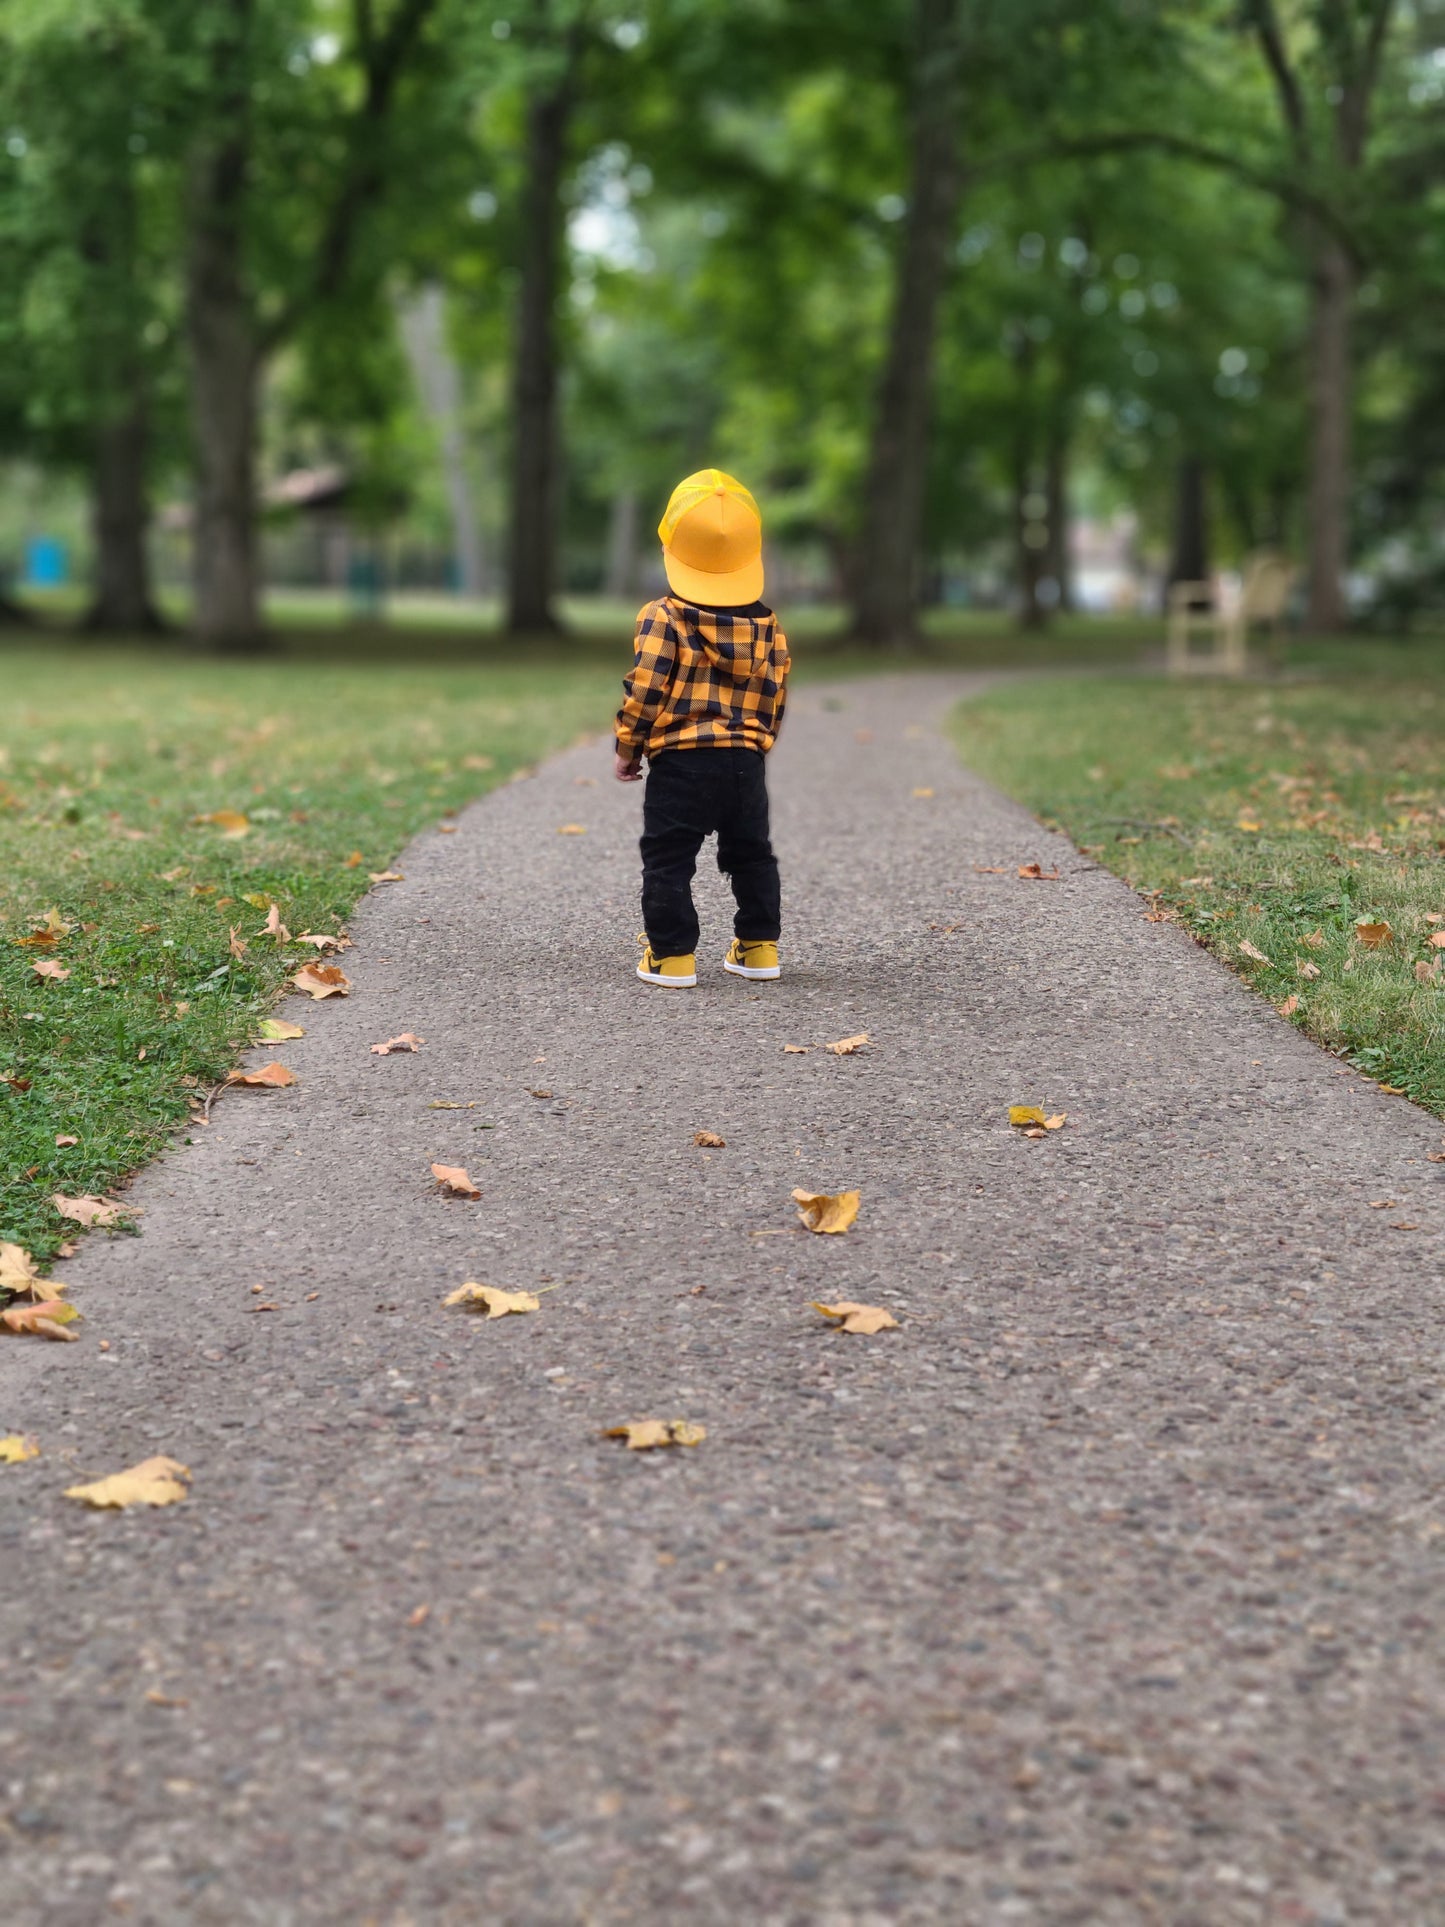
(703, 679)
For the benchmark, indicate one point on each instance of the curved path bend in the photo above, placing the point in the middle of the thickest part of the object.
(1106, 1590)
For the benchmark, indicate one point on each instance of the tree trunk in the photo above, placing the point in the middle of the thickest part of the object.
(225, 356)
(1058, 556)
(1032, 541)
(532, 547)
(1189, 561)
(622, 544)
(122, 604)
(885, 576)
(1331, 409)
(438, 379)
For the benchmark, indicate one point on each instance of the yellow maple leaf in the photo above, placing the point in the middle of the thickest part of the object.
(158, 1481)
(846, 1046)
(495, 1303)
(645, 1434)
(1023, 1115)
(864, 1319)
(827, 1212)
(19, 1447)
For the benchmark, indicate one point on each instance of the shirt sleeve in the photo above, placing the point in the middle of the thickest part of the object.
(645, 689)
(782, 663)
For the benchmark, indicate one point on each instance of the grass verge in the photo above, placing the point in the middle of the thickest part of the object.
(1289, 818)
(107, 759)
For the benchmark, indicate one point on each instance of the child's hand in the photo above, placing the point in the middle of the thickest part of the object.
(627, 769)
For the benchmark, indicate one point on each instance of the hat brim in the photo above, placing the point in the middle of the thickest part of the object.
(716, 591)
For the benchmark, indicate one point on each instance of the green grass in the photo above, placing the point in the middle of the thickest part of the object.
(106, 758)
(1344, 777)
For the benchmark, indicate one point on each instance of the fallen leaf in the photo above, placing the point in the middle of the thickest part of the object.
(1249, 824)
(1436, 940)
(257, 901)
(1022, 1115)
(274, 1030)
(387, 876)
(1057, 1121)
(86, 1210)
(21, 1084)
(46, 1319)
(991, 869)
(451, 1177)
(1247, 949)
(1202, 883)
(354, 861)
(174, 876)
(647, 1433)
(320, 980)
(63, 1143)
(50, 967)
(1288, 1007)
(1033, 873)
(271, 1077)
(488, 1298)
(231, 823)
(239, 946)
(1314, 938)
(419, 1617)
(571, 829)
(827, 1212)
(157, 1698)
(52, 925)
(274, 926)
(478, 762)
(796, 1050)
(864, 1319)
(709, 1140)
(923, 792)
(324, 941)
(446, 829)
(1304, 968)
(158, 1481)
(846, 1046)
(17, 1271)
(407, 1041)
(19, 1447)
(445, 1104)
(1374, 936)
(543, 1094)
(1427, 973)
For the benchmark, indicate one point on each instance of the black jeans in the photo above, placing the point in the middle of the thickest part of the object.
(690, 793)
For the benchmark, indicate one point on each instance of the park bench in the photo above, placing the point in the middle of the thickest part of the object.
(1226, 620)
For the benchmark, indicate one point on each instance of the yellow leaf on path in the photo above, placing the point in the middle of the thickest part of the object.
(86, 1210)
(1057, 1121)
(846, 1046)
(46, 1319)
(495, 1303)
(923, 792)
(387, 876)
(275, 1031)
(827, 1212)
(451, 1177)
(320, 980)
(709, 1140)
(1288, 1007)
(571, 829)
(1023, 1115)
(645, 1434)
(864, 1319)
(796, 1050)
(19, 1447)
(1374, 936)
(49, 967)
(271, 1077)
(231, 823)
(1304, 968)
(1247, 949)
(408, 1041)
(158, 1481)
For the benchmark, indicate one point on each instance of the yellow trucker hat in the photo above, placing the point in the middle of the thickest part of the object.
(712, 540)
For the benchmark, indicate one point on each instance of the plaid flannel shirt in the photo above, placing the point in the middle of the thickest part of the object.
(702, 680)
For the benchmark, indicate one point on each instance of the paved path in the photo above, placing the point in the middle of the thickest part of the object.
(1105, 1590)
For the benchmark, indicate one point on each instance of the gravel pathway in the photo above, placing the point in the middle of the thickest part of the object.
(1106, 1590)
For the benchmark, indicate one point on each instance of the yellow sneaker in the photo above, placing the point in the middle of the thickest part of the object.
(748, 959)
(673, 973)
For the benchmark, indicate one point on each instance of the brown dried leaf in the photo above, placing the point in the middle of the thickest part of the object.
(324, 941)
(86, 1210)
(1304, 968)
(1427, 973)
(158, 1481)
(923, 792)
(63, 1143)
(709, 1140)
(1436, 940)
(796, 1050)
(846, 1046)
(271, 1077)
(488, 1298)
(387, 876)
(1314, 938)
(571, 829)
(645, 1434)
(864, 1319)
(354, 861)
(320, 980)
(1374, 936)
(408, 1041)
(1032, 873)
(1247, 949)
(45, 1319)
(239, 946)
(274, 926)
(51, 968)
(452, 1178)
(827, 1212)
(1288, 1007)
(990, 869)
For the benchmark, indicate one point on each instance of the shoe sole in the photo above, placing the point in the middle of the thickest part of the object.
(746, 970)
(668, 983)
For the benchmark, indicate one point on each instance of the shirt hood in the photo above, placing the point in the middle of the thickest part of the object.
(737, 642)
